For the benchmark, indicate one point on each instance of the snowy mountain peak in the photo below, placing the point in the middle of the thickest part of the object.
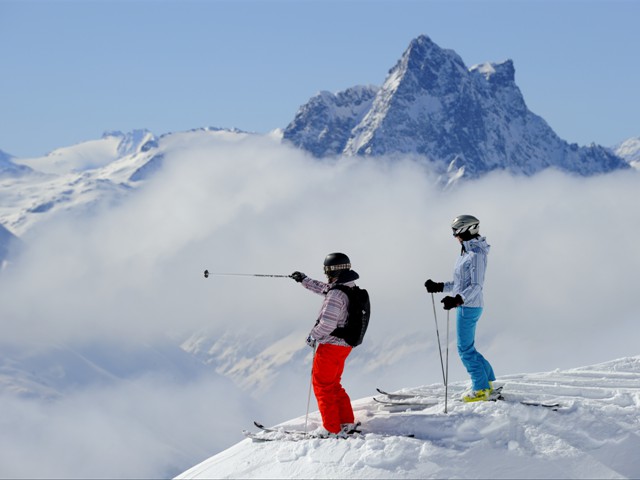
(132, 142)
(630, 151)
(426, 66)
(467, 121)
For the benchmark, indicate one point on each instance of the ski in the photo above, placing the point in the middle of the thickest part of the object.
(263, 436)
(496, 395)
(273, 435)
(259, 425)
(407, 402)
(267, 429)
(551, 405)
(267, 434)
(555, 406)
(415, 401)
(400, 395)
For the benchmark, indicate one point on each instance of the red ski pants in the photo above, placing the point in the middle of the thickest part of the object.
(333, 402)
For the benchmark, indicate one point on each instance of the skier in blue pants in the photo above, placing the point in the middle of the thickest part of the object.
(466, 289)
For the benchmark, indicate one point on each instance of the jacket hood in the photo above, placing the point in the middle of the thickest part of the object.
(478, 245)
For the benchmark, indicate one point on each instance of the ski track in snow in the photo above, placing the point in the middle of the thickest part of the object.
(594, 435)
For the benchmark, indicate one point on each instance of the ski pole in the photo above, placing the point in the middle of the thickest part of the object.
(435, 317)
(306, 418)
(446, 381)
(207, 274)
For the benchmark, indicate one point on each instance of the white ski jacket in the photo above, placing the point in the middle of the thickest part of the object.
(469, 271)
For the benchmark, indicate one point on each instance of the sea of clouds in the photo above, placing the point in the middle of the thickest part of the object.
(128, 278)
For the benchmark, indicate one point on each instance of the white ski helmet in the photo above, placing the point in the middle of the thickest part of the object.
(465, 226)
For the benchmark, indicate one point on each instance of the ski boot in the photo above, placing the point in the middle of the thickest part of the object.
(478, 395)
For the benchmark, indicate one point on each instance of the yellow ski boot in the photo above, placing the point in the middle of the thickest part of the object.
(477, 395)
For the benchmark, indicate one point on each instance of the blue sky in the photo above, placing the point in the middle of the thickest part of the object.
(71, 70)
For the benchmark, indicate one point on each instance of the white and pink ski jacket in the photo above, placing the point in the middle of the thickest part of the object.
(333, 312)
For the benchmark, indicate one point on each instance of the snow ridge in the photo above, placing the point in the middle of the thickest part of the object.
(336, 115)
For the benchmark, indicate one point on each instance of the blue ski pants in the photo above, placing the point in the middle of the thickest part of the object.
(478, 367)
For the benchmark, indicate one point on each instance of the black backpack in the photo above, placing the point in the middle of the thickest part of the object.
(359, 311)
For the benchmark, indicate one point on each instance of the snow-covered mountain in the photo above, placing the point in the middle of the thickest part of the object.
(630, 151)
(88, 175)
(594, 434)
(92, 154)
(469, 120)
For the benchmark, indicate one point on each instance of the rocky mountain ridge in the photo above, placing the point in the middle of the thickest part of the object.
(469, 121)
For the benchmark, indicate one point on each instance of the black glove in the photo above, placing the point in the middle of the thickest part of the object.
(452, 302)
(298, 276)
(434, 287)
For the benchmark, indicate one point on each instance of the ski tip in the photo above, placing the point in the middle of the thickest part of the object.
(258, 424)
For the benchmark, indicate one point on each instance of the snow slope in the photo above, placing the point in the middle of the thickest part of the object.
(595, 434)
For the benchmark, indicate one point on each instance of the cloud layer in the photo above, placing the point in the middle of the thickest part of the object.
(558, 292)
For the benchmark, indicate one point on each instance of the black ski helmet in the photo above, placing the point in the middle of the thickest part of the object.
(335, 262)
(337, 265)
(465, 227)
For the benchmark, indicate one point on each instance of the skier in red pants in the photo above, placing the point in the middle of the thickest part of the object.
(328, 363)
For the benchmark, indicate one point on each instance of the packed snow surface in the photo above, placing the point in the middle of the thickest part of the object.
(593, 434)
